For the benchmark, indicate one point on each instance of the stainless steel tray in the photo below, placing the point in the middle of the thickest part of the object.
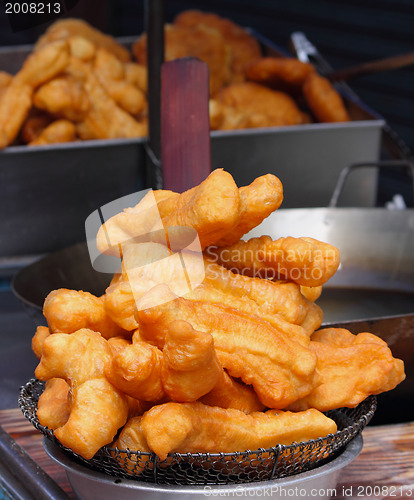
(47, 192)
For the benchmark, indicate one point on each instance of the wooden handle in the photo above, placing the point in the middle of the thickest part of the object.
(185, 129)
(372, 67)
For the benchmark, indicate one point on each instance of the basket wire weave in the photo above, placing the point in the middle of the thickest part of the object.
(213, 468)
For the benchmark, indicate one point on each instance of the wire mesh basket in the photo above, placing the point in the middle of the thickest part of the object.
(213, 468)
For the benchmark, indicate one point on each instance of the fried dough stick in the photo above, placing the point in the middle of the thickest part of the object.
(280, 72)
(105, 119)
(98, 409)
(305, 261)
(111, 75)
(5, 81)
(63, 97)
(191, 370)
(67, 311)
(280, 298)
(349, 368)
(53, 407)
(42, 332)
(323, 100)
(198, 428)
(211, 208)
(281, 304)
(16, 102)
(257, 201)
(263, 106)
(70, 27)
(57, 132)
(279, 369)
(136, 371)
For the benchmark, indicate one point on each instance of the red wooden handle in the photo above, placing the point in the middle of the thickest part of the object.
(185, 129)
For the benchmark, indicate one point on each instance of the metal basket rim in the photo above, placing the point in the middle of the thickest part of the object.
(356, 427)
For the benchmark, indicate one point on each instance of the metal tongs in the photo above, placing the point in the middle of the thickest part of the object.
(307, 52)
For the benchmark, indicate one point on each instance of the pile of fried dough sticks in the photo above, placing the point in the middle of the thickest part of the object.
(238, 362)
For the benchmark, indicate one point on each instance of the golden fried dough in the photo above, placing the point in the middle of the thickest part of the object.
(190, 368)
(110, 72)
(244, 48)
(14, 109)
(283, 73)
(200, 41)
(212, 209)
(57, 132)
(323, 100)
(5, 81)
(279, 369)
(279, 298)
(34, 126)
(227, 393)
(119, 304)
(136, 371)
(67, 311)
(118, 344)
(271, 107)
(16, 102)
(81, 48)
(105, 119)
(197, 428)
(306, 261)
(42, 332)
(97, 408)
(53, 407)
(68, 28)
(136, 74)
(311, 293)
(349, 368)
(63, 97)
(257, 201)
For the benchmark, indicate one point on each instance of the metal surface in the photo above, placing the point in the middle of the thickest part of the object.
(47, 192)
(68, 268)
(306, 158)
(90, 485)
(215, 468)
(376, 245)
(24, 470)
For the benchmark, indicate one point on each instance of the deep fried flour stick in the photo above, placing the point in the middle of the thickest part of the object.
(64, 29)
(305, 261)
(257, 201)
(212, 208)
(190, 370)
(349, 368)
(285, 73)
(53, 407)
(198, 428)
(136, 371)
(280, 370)
(16, 102)
(281, 303)
(98, 409)
(67, 311)
(324, 101)
(265, 297)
